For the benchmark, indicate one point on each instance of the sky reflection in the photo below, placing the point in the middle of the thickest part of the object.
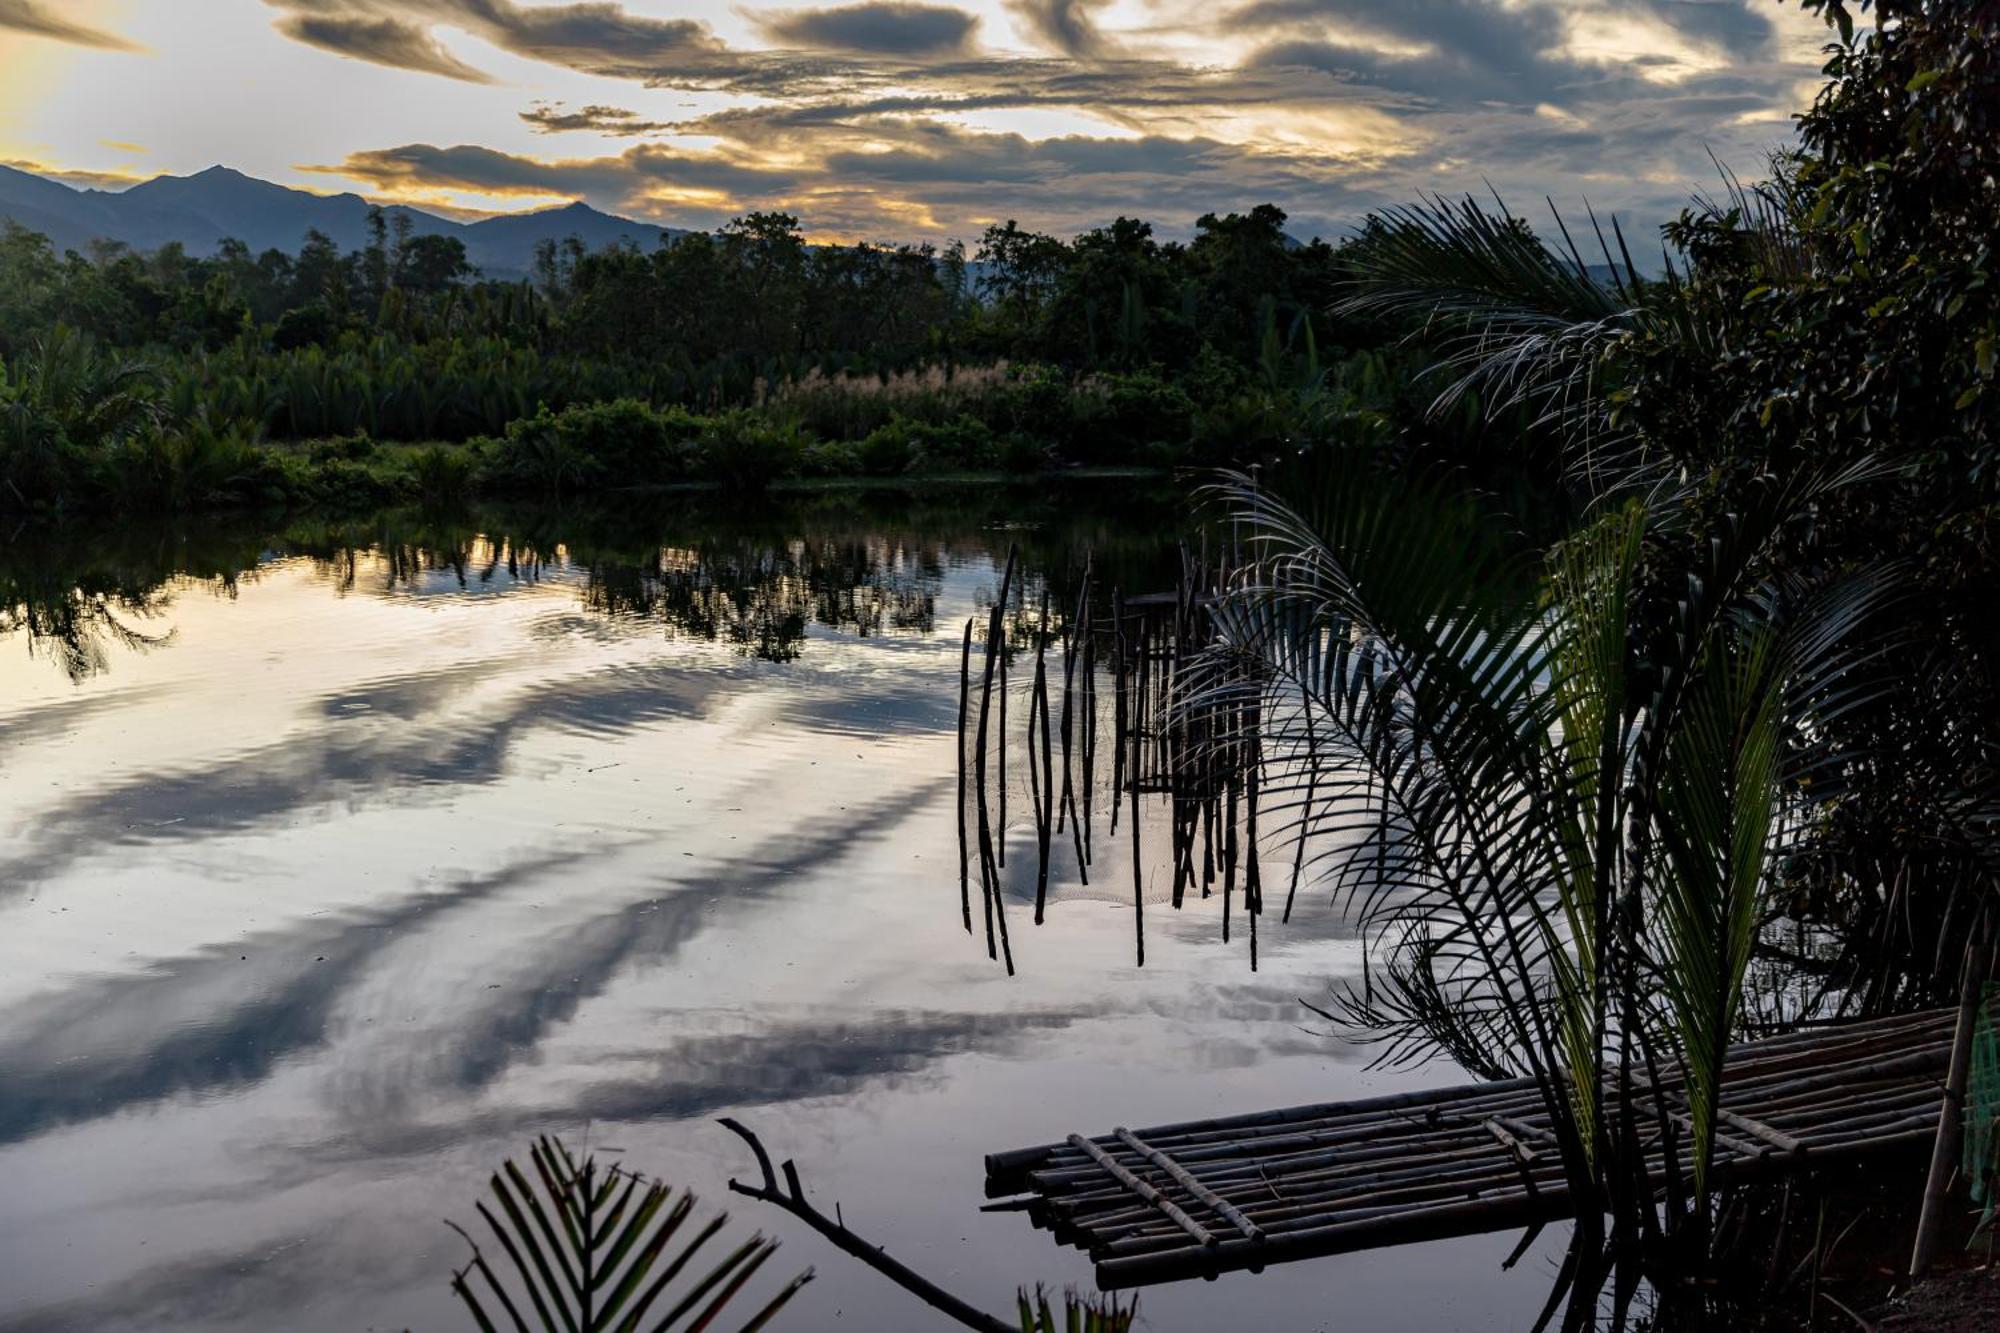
(381, 866)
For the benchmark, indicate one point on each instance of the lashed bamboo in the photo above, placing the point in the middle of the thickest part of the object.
(1445, 1161)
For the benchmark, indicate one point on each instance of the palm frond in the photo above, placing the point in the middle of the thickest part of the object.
(1079, 1313)
(1517, 324)
(593, 1249)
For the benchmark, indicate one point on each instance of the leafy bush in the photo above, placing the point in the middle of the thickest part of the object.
(60, 403)
(886, 449)
(345, 484)
(535, 456)
(307, 326)
(1115, 417)
(630, 442)
(183, 467)
(745, 452)
(1019, 453)
(441, 477)
(830, 458)
(961, 443)
(355, 448)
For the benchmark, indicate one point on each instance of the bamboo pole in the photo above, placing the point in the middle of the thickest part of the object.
(1089, 632)
(1043, 790)
(1195, 1230)
(1903, 1047)
(1180, 1176)
(964, 694)
(1120, 684)
(989, 855)
(1946, 1148)
(1002, 618)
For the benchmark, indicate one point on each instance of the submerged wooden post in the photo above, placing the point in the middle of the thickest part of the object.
(1947, 1146)
(1118, 709)
(1000, 619)
(964, 693)
(1046, 799)
(989, 862)
(1088, 631)
(1072, 650)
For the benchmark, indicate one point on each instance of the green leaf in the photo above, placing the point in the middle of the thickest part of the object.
(1968, 398)
(1923, 80)
(583, 1275)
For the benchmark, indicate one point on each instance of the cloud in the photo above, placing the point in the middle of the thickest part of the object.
(957, 176)
(80, 177)
(597, 38)
(890, 27)
(551, 118)
(1725, 25)
(34, 18)
(380, 41)
(885, 119)
(1065, 25)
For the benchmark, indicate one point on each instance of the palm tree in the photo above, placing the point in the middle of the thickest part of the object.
(1548, 791)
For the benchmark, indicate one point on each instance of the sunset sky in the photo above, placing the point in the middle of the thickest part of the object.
(915, 119)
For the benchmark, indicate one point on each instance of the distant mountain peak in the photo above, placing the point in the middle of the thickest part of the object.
(201, 210)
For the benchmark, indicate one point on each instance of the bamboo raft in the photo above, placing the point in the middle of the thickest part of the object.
(1205, 1197)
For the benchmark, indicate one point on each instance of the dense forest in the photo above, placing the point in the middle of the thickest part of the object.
(139, 380)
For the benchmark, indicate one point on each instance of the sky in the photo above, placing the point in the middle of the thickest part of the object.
(917, 120)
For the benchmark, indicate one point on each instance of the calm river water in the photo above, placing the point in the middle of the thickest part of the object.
(337, 862)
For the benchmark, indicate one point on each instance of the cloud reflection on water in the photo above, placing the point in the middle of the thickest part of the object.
(388, 863)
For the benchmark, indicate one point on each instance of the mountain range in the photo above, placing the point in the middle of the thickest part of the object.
(202, 210)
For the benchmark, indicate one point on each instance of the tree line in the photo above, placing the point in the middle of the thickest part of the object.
(761, 355)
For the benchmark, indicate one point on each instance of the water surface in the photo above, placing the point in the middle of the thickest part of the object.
(340, 860)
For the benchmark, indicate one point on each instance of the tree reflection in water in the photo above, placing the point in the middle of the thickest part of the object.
(858, 563)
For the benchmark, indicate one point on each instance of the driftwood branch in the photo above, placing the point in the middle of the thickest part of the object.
(792, 1198)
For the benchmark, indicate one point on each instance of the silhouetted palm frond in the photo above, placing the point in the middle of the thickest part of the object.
(594, 1249)
(1549, 797)
(1524, 326)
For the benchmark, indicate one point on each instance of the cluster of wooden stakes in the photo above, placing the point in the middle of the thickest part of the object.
(1201, 759)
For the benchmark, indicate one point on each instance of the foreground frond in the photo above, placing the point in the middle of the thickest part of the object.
(594, 1249)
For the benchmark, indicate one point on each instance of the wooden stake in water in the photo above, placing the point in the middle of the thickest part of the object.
(1118, 685)
(1045, 810)
(1071, 652)
(1089, 633)
(989, 873)
(964, 693)
(1000, 617)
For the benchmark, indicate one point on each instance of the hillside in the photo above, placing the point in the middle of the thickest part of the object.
(202, 210)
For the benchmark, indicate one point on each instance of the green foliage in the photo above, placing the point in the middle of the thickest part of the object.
(1842, 315)
(1853, 317)
(745, 452)
(539, 456)
(1080, 1314)
(631, 443)
(886, 450)
(1552, 795)
(191, 466)
(441, 477)
(1980, 1160)
(592, 1249)
(62, 402)
(1104, 349)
